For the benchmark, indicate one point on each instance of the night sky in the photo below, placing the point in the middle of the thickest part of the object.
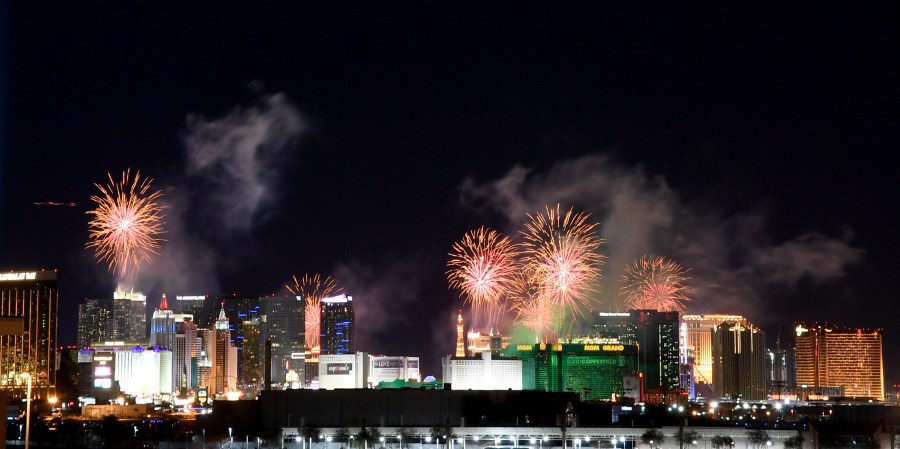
(754, 144)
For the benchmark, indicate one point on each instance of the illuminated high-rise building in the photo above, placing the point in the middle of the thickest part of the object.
(144, 372)
(698, 339)
(782, 370)
(283, 323)
(184, 356)
(460, 345)
(224, 357)
(200, 307)
(251, 375)
(478, 343)
(338, 326)
(95, 322)
(31, 296)
(130, 316)
(655, 334)
(739, 362)
(239, 310)
(832, 357)
(162, 326)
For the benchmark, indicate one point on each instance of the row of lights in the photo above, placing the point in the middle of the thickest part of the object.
(497, 440)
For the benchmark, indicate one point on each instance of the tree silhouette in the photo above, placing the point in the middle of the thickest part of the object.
(720, 442)
(653, 438)
(757, 437)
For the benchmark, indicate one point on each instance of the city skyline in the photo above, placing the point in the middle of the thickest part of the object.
(363, 144)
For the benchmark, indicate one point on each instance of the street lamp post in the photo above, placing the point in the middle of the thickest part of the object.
(27, 377)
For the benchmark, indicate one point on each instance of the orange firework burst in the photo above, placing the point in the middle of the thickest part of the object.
(655, 283)
(561, 250)
(481, 266)
(126, 223)
(313, 289)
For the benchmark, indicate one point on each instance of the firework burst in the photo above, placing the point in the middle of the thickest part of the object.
(533, 309)
(481, 267)
(655, 283)
(561, 250)
(313, 288)
(126, 224)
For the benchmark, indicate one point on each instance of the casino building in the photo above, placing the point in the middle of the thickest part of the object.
(596, 371)
(28, 306)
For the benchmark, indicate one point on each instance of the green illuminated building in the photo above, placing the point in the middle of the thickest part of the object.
(594, 371)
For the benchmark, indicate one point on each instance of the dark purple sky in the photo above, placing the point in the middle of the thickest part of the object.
(753, 144)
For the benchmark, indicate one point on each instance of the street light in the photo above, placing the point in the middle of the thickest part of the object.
(230, 439)
(27, 377)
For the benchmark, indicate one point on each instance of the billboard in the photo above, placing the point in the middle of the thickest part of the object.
(339, 368)
(389, 363)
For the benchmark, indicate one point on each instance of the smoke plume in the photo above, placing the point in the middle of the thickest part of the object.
(732, 260)
(230, 180)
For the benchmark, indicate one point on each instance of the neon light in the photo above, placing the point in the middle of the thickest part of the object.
(24, 276)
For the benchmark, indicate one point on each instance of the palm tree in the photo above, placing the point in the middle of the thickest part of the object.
(444, 432)
(686, 437)
(721, 442)
(368, 435)
(758, 437)
(794, 442)
(653, 438)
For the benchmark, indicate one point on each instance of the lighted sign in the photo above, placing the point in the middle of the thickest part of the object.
(591, 347)
(388, 363)
(25, 276)
(298, 355)
(525, 347)
(338, 368)
(613, 347)
(102, 371)
(103, 383)
(337, 299)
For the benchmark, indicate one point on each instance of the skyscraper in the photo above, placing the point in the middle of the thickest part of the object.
(656, 336)
(839, 358)
(338, 325)
(130, 316)
(460, 345)
(782, 370)
(699, 340)
(184, 356)
(739, 362)
(33, 297)
(95, 322)
(250, 357)
(224, 357)
(162, 326)
(283, 324)
(238, 310)
(199, 307)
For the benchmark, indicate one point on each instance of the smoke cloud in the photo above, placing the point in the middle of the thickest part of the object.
(383, 297)
(732, 261)
(237, 157)
(229, 182)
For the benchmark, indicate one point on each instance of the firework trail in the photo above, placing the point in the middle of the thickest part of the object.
(313, 289)
(533, 309)
(481, 267)
(561, 251)
(126, 223)
(655, 283)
